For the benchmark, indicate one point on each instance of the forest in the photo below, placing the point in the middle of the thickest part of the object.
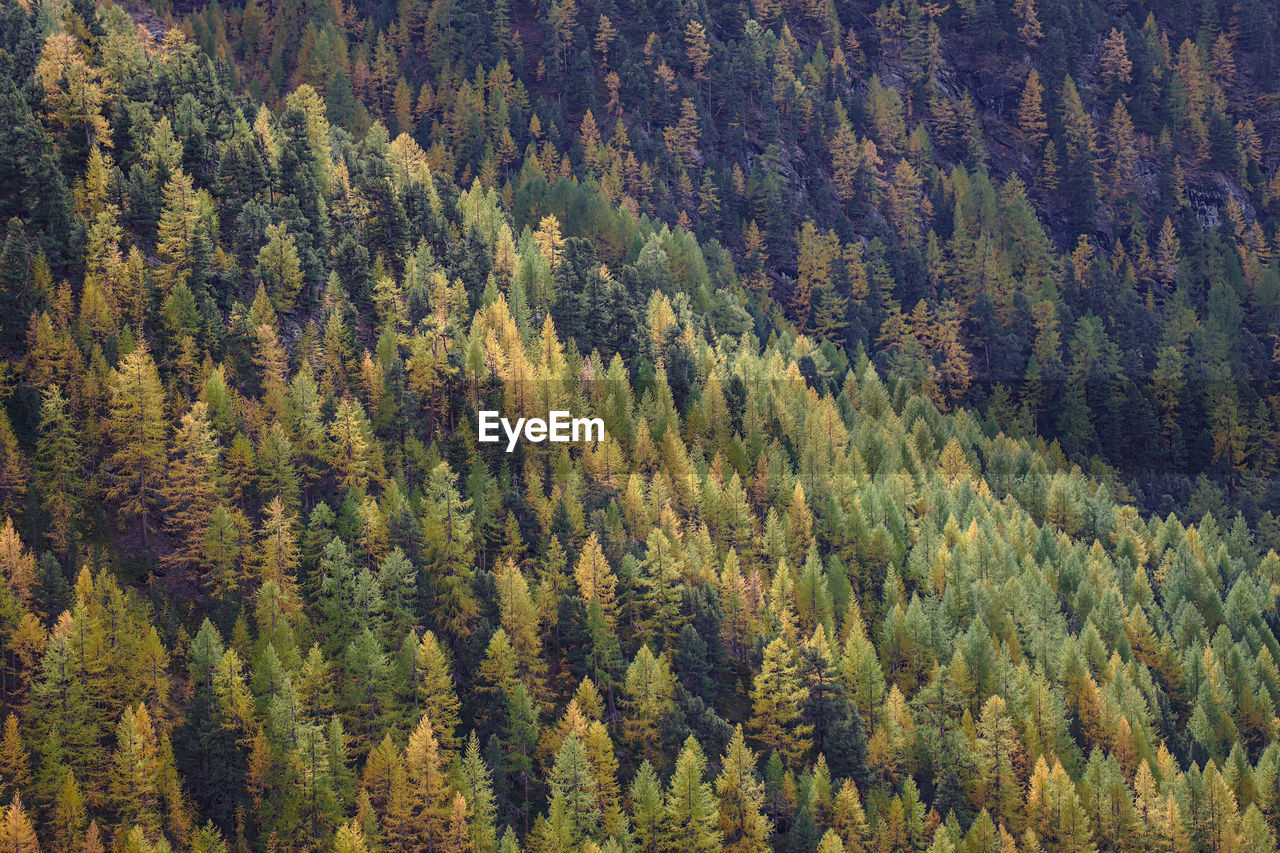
(937, 349)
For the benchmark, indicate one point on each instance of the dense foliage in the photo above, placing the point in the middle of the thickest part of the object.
(895, 318)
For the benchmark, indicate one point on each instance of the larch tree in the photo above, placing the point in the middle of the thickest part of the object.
(697, 50)
(1029, 28)
(279, 267)
(15, 470)
(474, 783)
(93, 839)
(17, 833)
(17, 564)
(830, 843)
(349, 839)
(904, 197)
(814, 260)
(1054, 810)
(647, 810)
(75, 93)
(573, 811)
(743, 827)
(662, 574)
(178, 243)
(223, 546)
(777, 697)
(1168, 253)
(190, 489)
(278, 552)
(846, 156)
(606, 34)
(431, 793)
(15, 762)
(59, 474)
(518, 614)
(850, 820)
(1117, 68)
(755, 261)
(70, 818)
(692, 818)
(1122, 145)
(436, 693)
(1000, 763)
(135, 424)
(549, 239)
(136, 772)
(1031, 118)
(646, 698)
(446, 526)
(352, 444)
(596, 580)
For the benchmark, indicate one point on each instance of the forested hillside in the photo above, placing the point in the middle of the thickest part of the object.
(1082, 194)
(937, 349)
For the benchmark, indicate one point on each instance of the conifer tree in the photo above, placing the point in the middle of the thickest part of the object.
(278, 552)
(349, 839)
(1080, 152)
(777, 696)
(1029, 30)
(180, 240)
(17, 833)
(136, 426)
(573, 813)
(436, 693)
(279, 267)
(661, 584)
(648, 814)
(446, 527)
(223, 549)
(647, 697)
(743, 827)
(136, 772)
(596, 580)
(17, 564)
(59, 477)
(190, 487)
(15, 762)
(14, 468)
(691, 807)
(473, 782)
(549, 239)
(1117, 68)
(1000, 761)
(519, 617)
(1031, 118)
(353, 454)
(69, 815)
